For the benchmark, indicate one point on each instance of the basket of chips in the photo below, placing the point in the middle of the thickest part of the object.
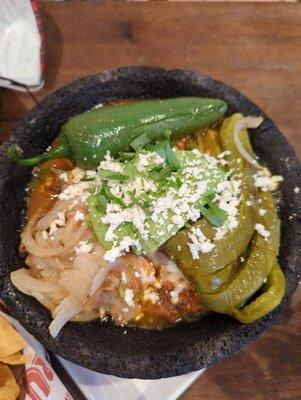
(24, 372)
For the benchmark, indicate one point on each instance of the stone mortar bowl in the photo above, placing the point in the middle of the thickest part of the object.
(103, 347)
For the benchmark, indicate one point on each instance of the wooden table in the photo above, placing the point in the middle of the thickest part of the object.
(253, 47)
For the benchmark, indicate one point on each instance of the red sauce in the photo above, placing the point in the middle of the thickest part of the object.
(45, 186)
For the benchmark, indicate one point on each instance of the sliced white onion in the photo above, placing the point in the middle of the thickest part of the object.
(24, 282)
(59, 206)
(69, 309)
(48, 249)
(245, 123)
(100, 277)
(86, 263)
(43, 299)
(32, 247)
(158, 257)
(76, 282)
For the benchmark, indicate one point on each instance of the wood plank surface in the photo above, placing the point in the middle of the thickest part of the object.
(255, 47)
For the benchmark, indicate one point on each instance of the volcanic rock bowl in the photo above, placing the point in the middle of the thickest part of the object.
(103, 347)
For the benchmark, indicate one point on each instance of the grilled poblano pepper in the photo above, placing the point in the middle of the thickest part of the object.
(226, 250)
(224, 283)
(272, 293)
(214, 282)
(87, 137)
(231, 246)
(211, 143)
(259, 263)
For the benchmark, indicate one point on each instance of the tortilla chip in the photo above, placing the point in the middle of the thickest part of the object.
(9, 389)
(10, 340)
(16, 358)
(19, 372)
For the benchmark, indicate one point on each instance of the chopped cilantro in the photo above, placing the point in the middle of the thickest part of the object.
(159, 173)
(121, 290)
(126, 156)
(215, 215)
(102, 202)
(110, 196)
(107, 175)
(138, 296)
(92, 238)
(141, 141)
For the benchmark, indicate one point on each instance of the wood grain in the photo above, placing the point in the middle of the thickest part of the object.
(254, 47)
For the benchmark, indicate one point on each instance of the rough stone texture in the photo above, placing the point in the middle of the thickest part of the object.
(103, 347)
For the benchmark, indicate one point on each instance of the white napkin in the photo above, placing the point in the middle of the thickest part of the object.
(20, 45)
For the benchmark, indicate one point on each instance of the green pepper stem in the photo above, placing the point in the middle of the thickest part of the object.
(14, 154)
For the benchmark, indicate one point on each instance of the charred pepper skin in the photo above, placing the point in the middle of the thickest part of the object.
(86, 138)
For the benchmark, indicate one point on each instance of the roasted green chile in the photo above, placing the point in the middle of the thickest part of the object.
(253, 272)
(226, 250)
(224, 279)
(267, 301)
(87, 137)
(231, 246)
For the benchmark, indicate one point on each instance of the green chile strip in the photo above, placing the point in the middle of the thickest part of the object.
(257, 267)
(231, 246)
(274, 290)
(87, 137)
(226, 250)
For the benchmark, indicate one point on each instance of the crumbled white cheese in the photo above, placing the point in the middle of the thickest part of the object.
(262, 212)
(229, 200)
(123, 277)
(83, 247)
(147, 278)
(262, 231)
(91, 174)
(242, 259)
(76, 175)
(57, 223)
(199, 243)
(178, 220)
(224, 154)
(110, 164)
(150, 157)
(265, 181)
(135, 215)
(129, 297)
(151, 295)
(77, 190)
(296, 189)
(79, 216)
(123, 247)
(64, 177)
(174, 294)
(45, 235)
(223, 162)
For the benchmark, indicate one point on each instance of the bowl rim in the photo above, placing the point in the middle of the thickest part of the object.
(185, 361)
